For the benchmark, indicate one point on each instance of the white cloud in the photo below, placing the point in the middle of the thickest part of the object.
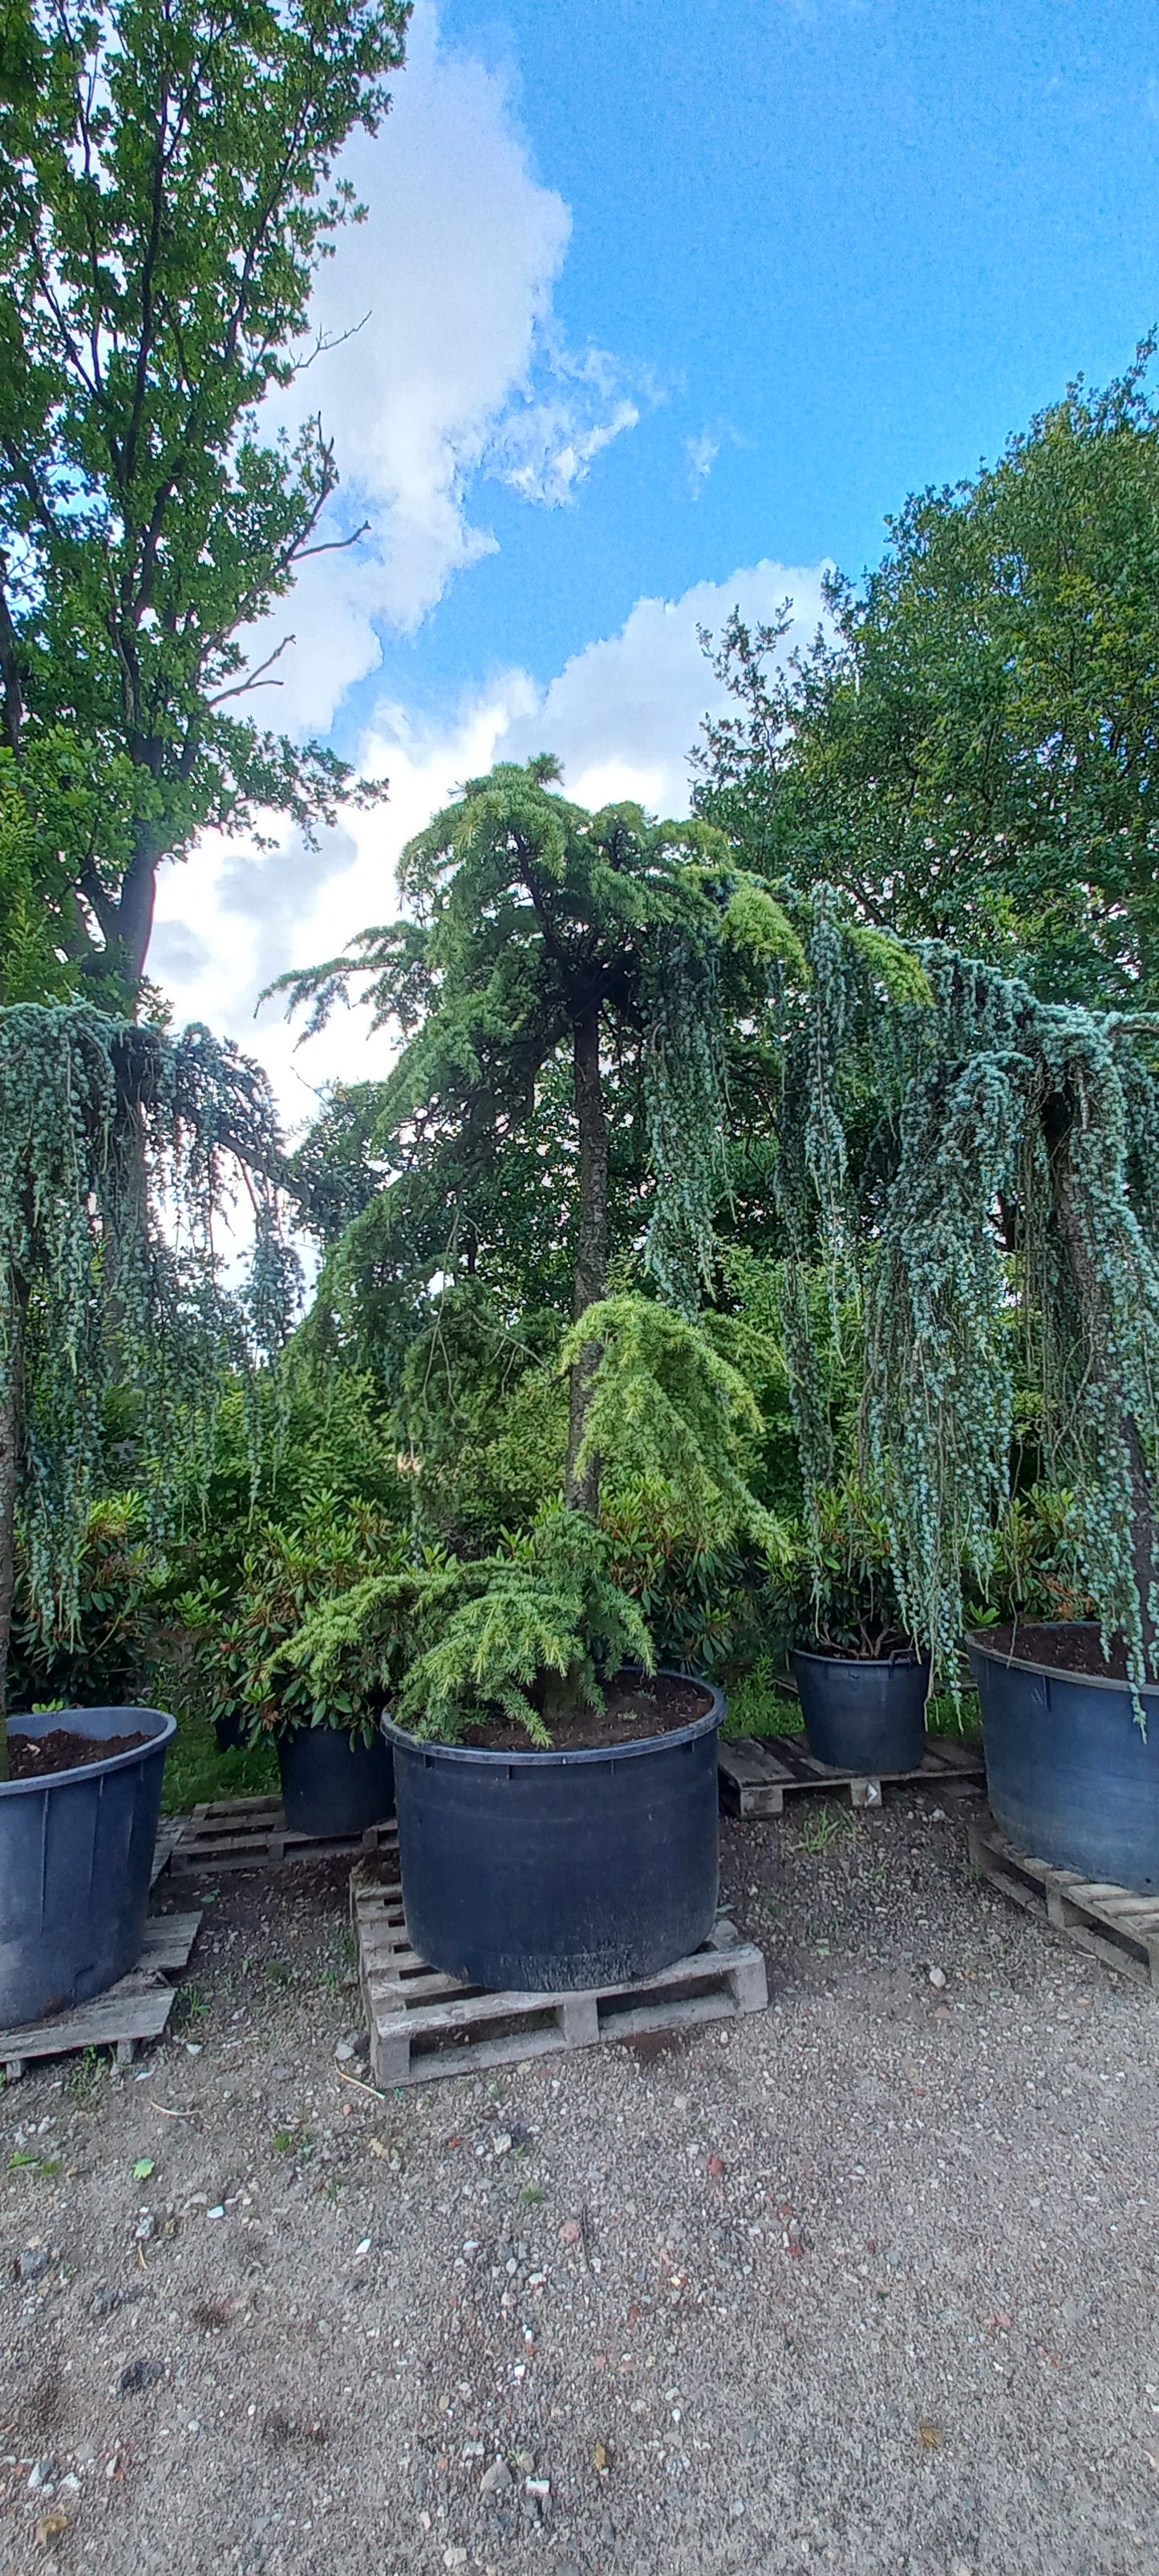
(457, 370)
(622, 716)
(702, 453)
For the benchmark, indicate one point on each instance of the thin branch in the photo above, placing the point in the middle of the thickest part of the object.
(335, 545)
(256, 679)
(325, 343)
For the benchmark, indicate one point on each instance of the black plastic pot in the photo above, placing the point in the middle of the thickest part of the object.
(334, 1783)
(230, 1732)
(1072, 1779)
(862, 1716)
(76, 1857)
(551, 1872)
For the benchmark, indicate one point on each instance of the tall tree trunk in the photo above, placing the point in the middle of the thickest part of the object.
(11, 1441)
(591, 1266)
(1058, 1119)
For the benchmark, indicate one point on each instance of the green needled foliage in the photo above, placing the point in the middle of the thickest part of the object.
(118, 1147)
(534, 1629)
(542, 938)
(665, 1404)
(531, 1632)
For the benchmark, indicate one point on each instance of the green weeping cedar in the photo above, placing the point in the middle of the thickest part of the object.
(537, 934)
(1018, 1191)
(119, 1150)
(541, 936)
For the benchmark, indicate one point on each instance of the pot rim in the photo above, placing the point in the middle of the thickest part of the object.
(907, 1661)
(541, 1755)
(45, 1720)
(976, 1645)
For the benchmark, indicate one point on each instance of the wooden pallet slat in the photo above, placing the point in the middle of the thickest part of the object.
(757, 1773)
(426, 2025)
(1113, 1923)
(169, 1833)
(228, 1835)
(137, 2008)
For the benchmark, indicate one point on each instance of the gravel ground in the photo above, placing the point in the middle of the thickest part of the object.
(867, 2282)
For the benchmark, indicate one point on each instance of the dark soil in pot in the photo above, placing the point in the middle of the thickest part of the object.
(590, 1865)
(333, 1782)
(632, 1710)
(865, 1715)
(36, 1757)
(76, 1855)
(1073, 1779)
(1066, 1646)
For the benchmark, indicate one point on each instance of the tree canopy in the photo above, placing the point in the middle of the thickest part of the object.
(166, 191)
(969, 751)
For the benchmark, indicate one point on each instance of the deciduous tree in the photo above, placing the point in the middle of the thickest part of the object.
(167, 188)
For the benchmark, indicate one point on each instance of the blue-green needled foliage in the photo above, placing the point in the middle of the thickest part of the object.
(119, 1149)
(1014, 1193)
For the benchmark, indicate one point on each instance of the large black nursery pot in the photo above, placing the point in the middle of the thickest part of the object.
(1072, 1778)
(333, 1782)
(861, 1715)
(76, 1860)
(553, 1872)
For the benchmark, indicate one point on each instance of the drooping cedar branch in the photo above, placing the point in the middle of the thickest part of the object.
(118, 1146)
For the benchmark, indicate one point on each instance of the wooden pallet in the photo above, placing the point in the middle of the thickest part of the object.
(1120, 1928)
(169, 1833)
(424, 2025)
(135, 2009)
(758, 1772)
(251, 1833)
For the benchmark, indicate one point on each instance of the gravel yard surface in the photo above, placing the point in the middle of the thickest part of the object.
(867, 2282)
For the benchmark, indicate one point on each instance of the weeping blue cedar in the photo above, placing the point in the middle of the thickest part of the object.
(120, 1150)
(1021, 1196)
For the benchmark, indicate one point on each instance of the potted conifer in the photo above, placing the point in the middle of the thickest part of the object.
(1012, 1192)
(557, 1798)
(103, 1123)
(557, 1794)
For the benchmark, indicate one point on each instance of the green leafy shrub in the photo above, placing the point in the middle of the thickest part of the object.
(840, 1597)
(286, 1574)
(703, 1594)
(1036, 1568)
(104, 1658)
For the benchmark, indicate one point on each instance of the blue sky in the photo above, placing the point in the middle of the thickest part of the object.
(666, 305)
(852, 246)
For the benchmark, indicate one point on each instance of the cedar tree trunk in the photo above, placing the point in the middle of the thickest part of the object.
(583, 1490)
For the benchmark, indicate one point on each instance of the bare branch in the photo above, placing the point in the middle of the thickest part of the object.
(326, 341)
(335, 545)
(256, 679)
